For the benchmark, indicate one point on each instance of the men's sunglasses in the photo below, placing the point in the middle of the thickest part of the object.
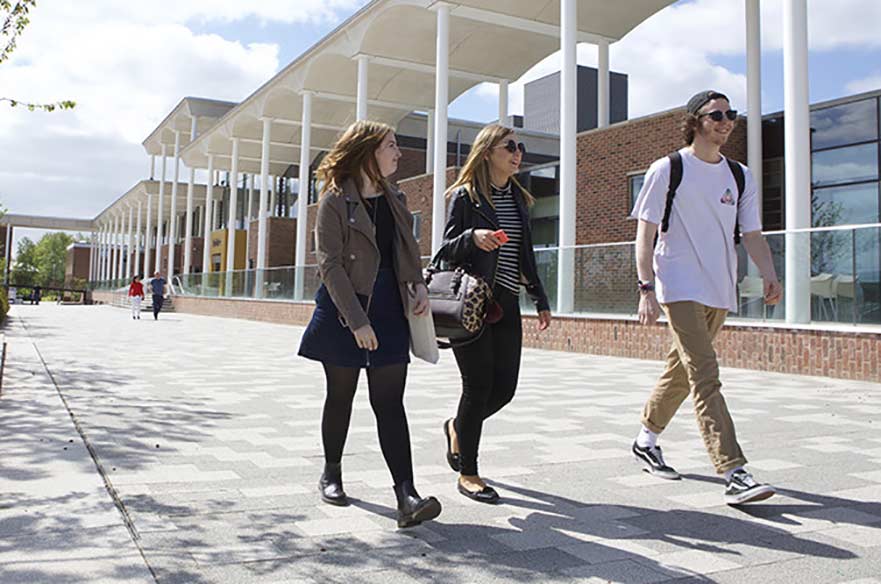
(718, 116)
(512, 147)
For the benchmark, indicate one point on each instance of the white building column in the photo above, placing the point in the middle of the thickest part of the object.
(249, 213)
(603, 84)
(172, 208)
(108, 250)
(129, 259)
(188, 237)
(136, 257)
(303, 197)
(441, 103)
(114, 249)
(754, 93)
(92, 245)
(158, 259)
(429, 143)
(796, 112)
(209, 214)
(102, 234)
(568, 120)
(152, 166)
(147, 238)
(233, 209)
(361, 102)
(264, 198)
(503, 102)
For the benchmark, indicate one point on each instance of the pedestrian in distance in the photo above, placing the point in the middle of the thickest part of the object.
(704, 204)
(488, 233)
(157, 286)
(371, 274)
(136, 296)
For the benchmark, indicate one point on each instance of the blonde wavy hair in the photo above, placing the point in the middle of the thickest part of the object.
(475, 175)
(353, 152)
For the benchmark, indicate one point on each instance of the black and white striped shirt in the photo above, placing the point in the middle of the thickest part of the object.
(508, 214)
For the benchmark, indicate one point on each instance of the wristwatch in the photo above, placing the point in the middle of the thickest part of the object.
(645, 287)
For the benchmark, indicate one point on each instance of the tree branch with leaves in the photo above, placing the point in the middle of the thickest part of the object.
(15, 18)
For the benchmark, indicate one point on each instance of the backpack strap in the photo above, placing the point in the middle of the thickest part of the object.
(740, 179)
(675, 180)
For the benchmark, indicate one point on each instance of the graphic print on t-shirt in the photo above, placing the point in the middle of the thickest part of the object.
(728, 197)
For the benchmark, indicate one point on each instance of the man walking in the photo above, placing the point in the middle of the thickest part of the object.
(702, 202)
(157, 285)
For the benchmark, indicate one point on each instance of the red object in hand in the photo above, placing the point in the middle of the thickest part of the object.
(501, 236)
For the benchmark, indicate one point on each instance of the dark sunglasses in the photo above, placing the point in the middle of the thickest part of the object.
(512, 147)
(718, 116)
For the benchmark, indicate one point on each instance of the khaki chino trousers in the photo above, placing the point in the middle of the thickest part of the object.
(692, 368)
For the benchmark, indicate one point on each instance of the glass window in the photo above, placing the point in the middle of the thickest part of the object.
(417, 225)
(848, 205)
(844, 124)
(843, 165)
(636, 181)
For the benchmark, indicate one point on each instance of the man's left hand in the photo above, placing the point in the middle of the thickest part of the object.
(773, 291)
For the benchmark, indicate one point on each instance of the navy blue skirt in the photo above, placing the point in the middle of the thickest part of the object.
(328, 341)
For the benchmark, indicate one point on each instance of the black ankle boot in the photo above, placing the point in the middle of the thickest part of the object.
(330, 485)
(413, 509)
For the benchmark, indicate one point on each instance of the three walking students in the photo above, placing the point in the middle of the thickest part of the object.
(372, 280)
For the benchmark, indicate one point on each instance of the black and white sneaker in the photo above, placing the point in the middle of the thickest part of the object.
(743, 488)
(653, 462)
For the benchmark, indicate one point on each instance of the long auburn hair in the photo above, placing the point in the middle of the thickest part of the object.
(353, 152)
(475, 176)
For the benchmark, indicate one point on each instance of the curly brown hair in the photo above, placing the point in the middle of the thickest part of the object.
(689, 128)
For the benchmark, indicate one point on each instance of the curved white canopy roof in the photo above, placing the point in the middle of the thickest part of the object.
(490, 40)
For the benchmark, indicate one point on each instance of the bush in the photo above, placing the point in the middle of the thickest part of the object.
(4, 304)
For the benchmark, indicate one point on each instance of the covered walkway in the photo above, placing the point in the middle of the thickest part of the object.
(187, 450)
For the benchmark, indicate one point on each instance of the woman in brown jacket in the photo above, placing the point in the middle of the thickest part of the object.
(371, 274)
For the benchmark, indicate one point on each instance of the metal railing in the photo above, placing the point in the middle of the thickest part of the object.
(843, 276)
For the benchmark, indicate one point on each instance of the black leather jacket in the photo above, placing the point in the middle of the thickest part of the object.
(459, 249)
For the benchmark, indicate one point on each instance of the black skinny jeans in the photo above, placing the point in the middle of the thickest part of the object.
(490, 367)
(386, 386)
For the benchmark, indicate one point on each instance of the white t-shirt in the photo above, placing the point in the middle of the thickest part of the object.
(696, 259)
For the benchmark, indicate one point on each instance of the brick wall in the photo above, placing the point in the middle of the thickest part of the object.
(281, 241)
(778, 349)
(76, 263)
(420, 194)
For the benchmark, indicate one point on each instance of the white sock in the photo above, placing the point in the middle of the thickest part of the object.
(728, 473)
(646, 438)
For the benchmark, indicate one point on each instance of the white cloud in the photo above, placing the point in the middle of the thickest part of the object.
(870, 83)
(126, 64)
(671, 55)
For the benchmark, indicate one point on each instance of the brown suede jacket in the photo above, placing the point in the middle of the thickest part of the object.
(348, 256)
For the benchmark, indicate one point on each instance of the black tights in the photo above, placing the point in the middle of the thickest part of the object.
(386, 386)
(490, 367)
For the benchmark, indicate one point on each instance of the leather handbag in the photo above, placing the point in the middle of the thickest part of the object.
(459, 301)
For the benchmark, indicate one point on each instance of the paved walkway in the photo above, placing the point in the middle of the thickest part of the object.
(187, 450)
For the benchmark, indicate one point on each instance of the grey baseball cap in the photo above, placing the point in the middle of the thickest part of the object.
(701, 99)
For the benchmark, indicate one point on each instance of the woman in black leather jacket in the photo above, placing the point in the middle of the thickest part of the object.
(485, 200)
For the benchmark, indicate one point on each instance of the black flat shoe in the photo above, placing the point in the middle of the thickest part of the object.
(413, 509)
(330, 485)
(486, 495)
(452, 457)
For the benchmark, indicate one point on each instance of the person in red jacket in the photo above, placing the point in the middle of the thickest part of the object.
(136, 295)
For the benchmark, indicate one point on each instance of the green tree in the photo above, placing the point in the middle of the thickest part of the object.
(24, 270)
(50, 255)
(14, 18)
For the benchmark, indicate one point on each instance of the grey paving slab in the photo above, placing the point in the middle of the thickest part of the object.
(209, 436)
